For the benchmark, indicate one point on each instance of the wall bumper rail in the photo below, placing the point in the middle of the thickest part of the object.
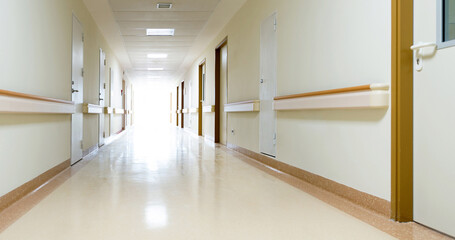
(185, 111)
(15, 102)
(119, 111)
(194, 110)
(208, 109)
(108, 110)
(359, 97)
(92, 109)
(246, 106)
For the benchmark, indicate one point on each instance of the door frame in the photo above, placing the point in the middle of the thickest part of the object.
(102, 85)
(402, 111)
(182, 99)
(223, 43)
(201, 95)
(177, 108)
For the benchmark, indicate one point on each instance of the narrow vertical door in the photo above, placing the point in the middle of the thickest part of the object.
(223, 93)
(268, 65)
(77, 90)
(102, 96)
(434, 114)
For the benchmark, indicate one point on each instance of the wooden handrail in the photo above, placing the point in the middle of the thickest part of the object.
(34, 97)
(244, 102)
(338, 90)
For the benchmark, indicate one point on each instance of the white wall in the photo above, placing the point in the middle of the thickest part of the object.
(321, 45)
(35, 50)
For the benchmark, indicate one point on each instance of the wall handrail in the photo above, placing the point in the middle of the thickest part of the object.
(92, 109)
(33, 97)
(15, 102)
(208, 109)
(244, 106)
(359, 97)
(119, 111)
(374, 86)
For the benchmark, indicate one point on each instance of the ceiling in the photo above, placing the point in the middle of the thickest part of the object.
(133, 17)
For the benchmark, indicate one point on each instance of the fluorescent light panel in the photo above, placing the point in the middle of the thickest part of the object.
(164, 5)
(155, 69)
(160, 31)
(157, 55)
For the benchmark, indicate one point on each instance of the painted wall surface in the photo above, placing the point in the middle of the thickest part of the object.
(321, 45)
(36, 59)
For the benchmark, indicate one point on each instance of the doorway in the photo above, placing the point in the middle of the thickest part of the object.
(102, 96)
(268, 65)
(202, 84)
(221, 81)
(434, 165)
(77, 87)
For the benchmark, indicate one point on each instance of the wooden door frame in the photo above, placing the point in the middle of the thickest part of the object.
(402, 111)
(218, 88)
(200, 106)
(182, 99)
(177, 108)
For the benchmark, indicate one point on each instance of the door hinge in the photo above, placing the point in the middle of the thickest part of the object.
(82, 72)
(105, 62)
(83, 37)
(104, 134)
(82, 145)
(104, 86)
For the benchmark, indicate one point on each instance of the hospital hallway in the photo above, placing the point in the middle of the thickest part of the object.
(227, 119)
(166, 183)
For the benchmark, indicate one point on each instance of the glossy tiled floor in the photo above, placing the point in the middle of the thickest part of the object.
(168, 184)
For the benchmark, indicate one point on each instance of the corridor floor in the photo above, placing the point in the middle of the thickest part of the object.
(168, 184)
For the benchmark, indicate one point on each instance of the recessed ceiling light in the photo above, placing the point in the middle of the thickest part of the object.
(164, 5)
(160, 32)
(155, 69)
(154, 77)
(157, 55)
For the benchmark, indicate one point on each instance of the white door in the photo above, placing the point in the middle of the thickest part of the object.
(223, 93)
(102, 96)
(77, 90)
(434, 116)
(267, 125)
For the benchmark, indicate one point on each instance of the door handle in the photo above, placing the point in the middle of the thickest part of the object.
(101, 99)
(418, 49)
(73, 91)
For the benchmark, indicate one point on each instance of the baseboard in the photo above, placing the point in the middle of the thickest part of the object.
(20, 192)
(90, 150)
(365, 200)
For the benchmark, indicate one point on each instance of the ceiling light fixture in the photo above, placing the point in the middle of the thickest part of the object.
(164, 5)
(155, 69)
(154, 77)
(160, 31)
(157, 55)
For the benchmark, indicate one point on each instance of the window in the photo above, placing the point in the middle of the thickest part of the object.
(446, 23)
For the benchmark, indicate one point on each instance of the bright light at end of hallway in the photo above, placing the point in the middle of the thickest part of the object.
(150, 97)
